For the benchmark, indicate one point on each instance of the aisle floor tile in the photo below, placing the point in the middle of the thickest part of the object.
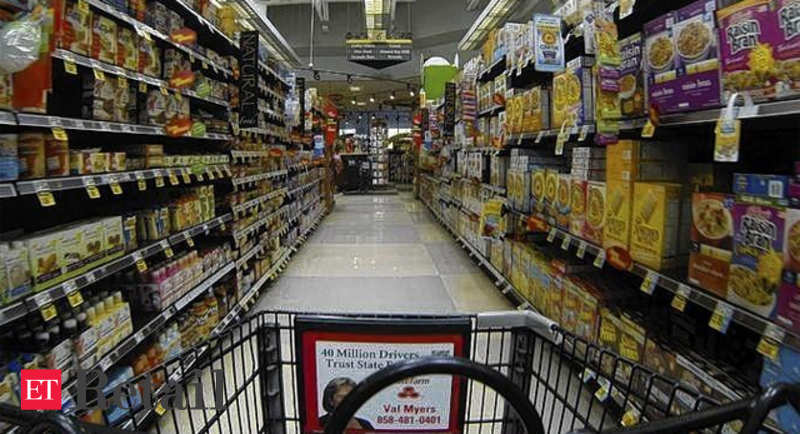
(389, 260)
(432, 232)
(359, 294)
(474, 292)
(364, 219)
(367, 235)
(449, 258)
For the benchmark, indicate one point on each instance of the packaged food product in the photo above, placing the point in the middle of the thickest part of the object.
(104, 39)
(154, 111)
(5, 91)
(697, 56)
(617, 227)
(605, 36)
(783, 370)
(610, 334)
(563, 200)
(98, 98)
(595, 212)
(118, 163)
(45, 259)
(550, 190)
(15, 272)
(9, 157)
(631, 77)
(32, 156)
(149, 58)
(655, 222)
(56, 156)
(548, 45)
(536, 109)
(113, 237)
(757, 262)
(577, 217)
(711, 241)
(101, 162)
(748, 34)
(573, 94)
(661, 64)
(127, 49)
(757, 188)
(74, 31)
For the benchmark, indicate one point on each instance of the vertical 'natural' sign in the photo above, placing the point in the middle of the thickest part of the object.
(248, 80)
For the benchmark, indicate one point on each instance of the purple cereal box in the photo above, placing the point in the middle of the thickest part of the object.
(789, 306)
(631, 80)
(787, 48)
(748, 33)
(697, 56)
(757, 261)
(660, 63)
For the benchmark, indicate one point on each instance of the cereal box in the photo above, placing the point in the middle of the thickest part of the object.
(538, 175)
(550, 190)
(787, 51)
(754, 187)
(789, 298)
(595, 212)
(622, 160)
(697, 56)
(127, 49)
(631, 77)
(655, 218)
(711, 241)
(577, 217)
(536, 109)
(104, 39)
(573, 94)
(748, 32)
(548, 45)
(563, 200)
(75, 29)
(610, 334)
(572, 302)
(757, 262)
(660, 63)
(617, 228)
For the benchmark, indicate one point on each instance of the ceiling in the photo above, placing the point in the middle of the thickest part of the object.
(343, 93)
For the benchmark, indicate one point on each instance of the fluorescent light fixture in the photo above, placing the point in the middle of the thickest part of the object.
(355, 88)
(361, 103)
(494, 13)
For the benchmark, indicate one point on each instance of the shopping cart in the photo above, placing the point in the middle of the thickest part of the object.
(519, 373)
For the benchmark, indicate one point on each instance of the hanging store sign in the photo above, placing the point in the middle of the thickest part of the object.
(449, 123)
(379, 54)
(300, 87)
(335, 354)
(248, 80)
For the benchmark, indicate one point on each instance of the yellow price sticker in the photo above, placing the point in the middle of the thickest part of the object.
(93, 191)
(160, 410)
(210, 173)
(600, 260)
(721, 318)
(75, 298)
(99, 75)
(142, 184)
(649, 283)
(205, 65)
(649, 130)
(630, 418)
(679, 302)
(46, 198)
(48, 312)
(189, 241)
(164, 91)
(222, 226)
(159, 181)
(83, 6)
(560, 141)
(70, 67)
(186, 178)
(581, 249)
(142, 87)
(122, 82)
(116, 189)
(141, 265)
(199, 176)
(168, 252)
(59, 134)
(173, 179)
(768, 347)
(551, 235)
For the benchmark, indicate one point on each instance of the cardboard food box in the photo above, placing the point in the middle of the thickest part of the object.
(617, 227)
(757, 262)
(622, 160)
(661, 64)
(577, 217)
(74, 31)
(17, 277)
(595, 212)
(149, 58)
(98, 97)
(538, 181)
(588, 314)
(104, 39)
(762, 189)
(563, 201)
(573, 94)
(655, 223)
(45, 258)
(536, 109)
(127, 49)
(631, 77)
(697, 56)
(711, 241)
(550, 191)
(610, 335)
(113, 237)
(572, 303)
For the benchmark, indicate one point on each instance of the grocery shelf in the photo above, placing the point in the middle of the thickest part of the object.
(264, 67)
(242, 155)
(7, 190)
(493, 70)
(45, 121)
(77, 182)
(491, 110)
(696, 295)
(494, 189)
(186, 7)
(149, 32)
(259, 177)
(241, 233)
(582, 132)
(132, 75)
(42, 298)
(257, 201)
(7, 118)
(302, 187)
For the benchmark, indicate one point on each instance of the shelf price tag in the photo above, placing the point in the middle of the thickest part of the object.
(539, 136)
(551, 235)
(48, 311)
(649, 283)
(199, 177)
(122, 82)
(70, 67)
(75, 298)
(46, 198)
(584, 132)
(83, 6)
(210, 173)
(185, 175)
(164, 91)
(189, 241)
(142, 87)
(560, 141)
(141, 265)
(630, 418)
(581, 249)
(602, 393)
(99, 75)
(173, 178)
(600, 260)
(681, 297)
(160, 410)
(721, 318)
(567, 241)
(770, 342)
(116, 189)
(159, 180)
(59, 134)
(649, 129)
(140, 181)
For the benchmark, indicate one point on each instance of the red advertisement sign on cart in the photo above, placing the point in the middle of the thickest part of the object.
(337, 356)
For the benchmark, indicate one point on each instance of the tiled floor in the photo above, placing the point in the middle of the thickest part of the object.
(382, 254)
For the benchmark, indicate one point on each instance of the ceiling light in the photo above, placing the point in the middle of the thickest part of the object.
(353, 101)
(361, 103)
(392, 96)
(355, 88)
(411, 92)
(371, 98)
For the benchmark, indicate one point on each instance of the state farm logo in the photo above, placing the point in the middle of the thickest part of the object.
(41, 389)
(408, 392)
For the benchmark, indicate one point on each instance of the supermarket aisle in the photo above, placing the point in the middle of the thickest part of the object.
(382, 254)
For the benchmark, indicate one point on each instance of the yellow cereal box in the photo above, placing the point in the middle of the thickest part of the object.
(577, 216)
(563, 200)
(550, 190)
(622, 160)
(595, 212)
(617, 228)
(655, 221)
(538, 176)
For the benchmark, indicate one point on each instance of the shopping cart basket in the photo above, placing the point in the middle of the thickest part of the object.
(519, 372)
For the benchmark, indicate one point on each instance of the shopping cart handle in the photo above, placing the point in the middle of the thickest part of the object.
(36, 422)
(379, 380)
